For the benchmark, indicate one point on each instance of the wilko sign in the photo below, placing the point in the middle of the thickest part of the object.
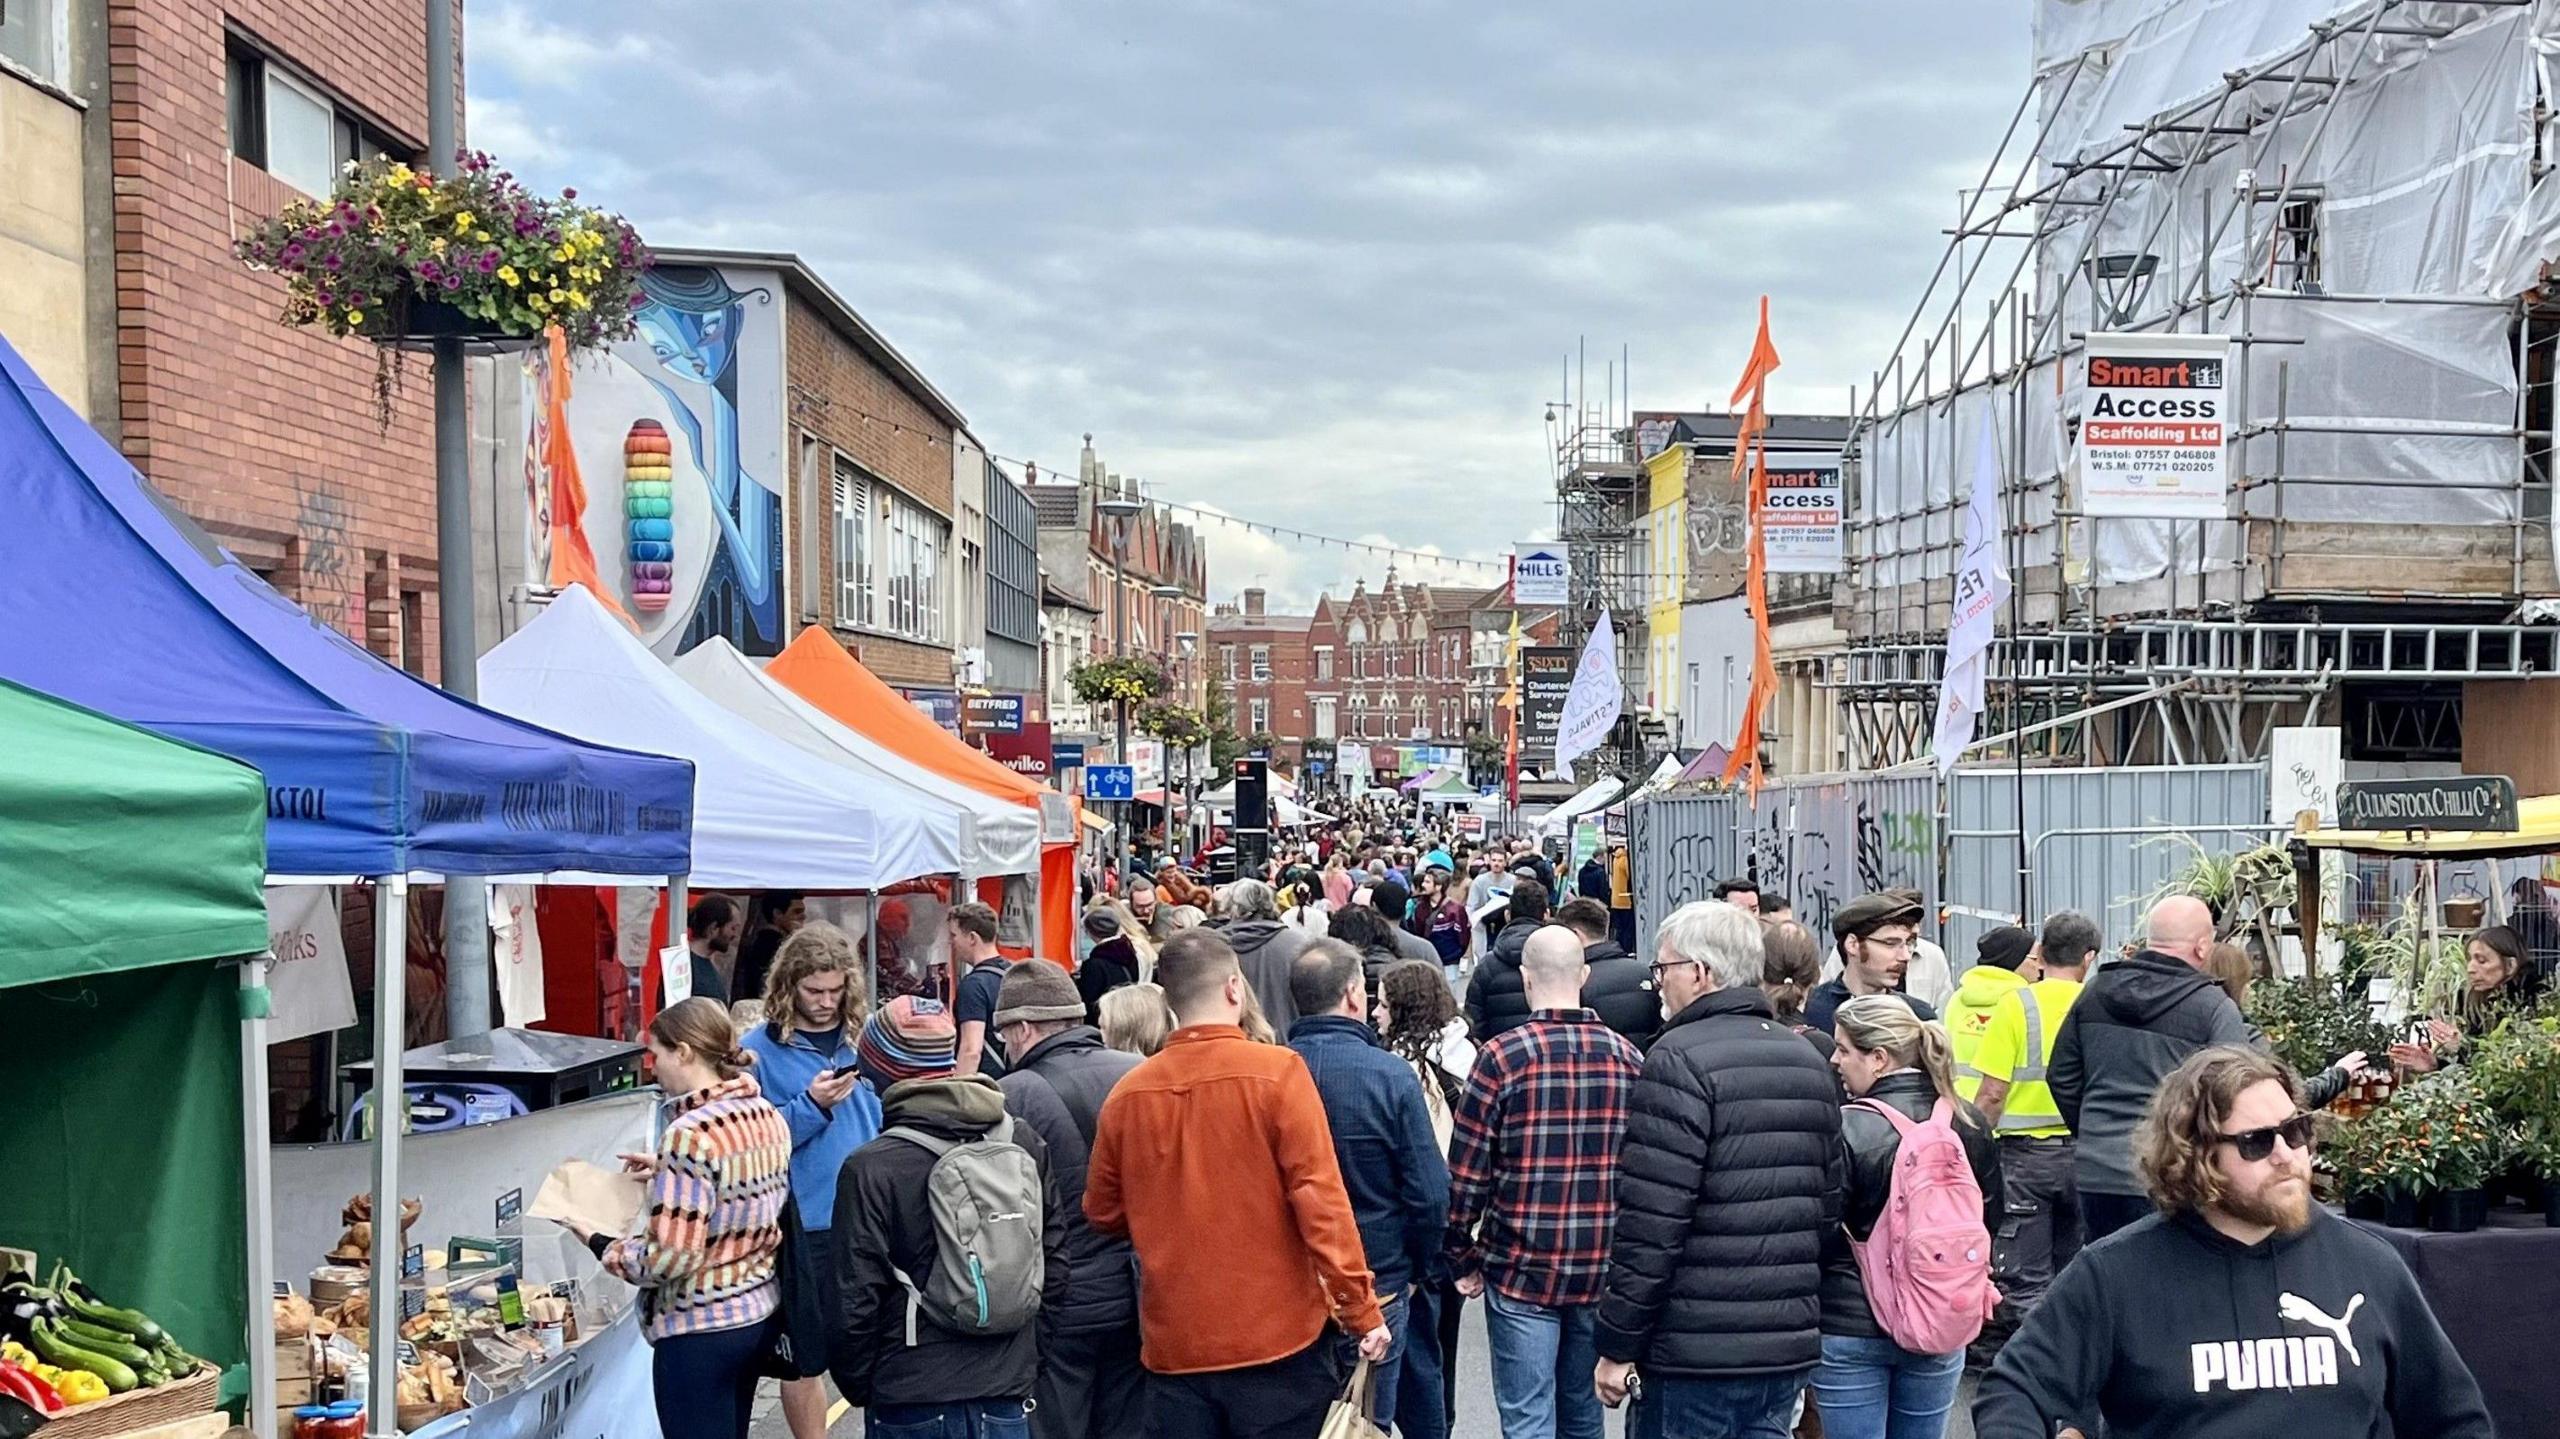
(1029, 751)
(2154, 426)
(1800, 523)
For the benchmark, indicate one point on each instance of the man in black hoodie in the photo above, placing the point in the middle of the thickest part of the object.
(1091, 1385)
(1617, 989)
(1497, 998)
(2240, 1309)
(963, 1383)
(2137, 1020)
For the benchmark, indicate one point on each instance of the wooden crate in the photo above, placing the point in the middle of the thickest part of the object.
(144, 1412)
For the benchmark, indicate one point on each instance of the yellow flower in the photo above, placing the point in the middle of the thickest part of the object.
(480, 235)
(557, 297)
(462, 219)
(355, 317)
(564, 254)
(577, 301)
(508, 274)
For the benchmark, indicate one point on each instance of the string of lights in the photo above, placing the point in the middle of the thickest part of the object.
(809, 400)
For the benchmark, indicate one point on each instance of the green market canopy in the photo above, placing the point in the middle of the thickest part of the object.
(127, 862)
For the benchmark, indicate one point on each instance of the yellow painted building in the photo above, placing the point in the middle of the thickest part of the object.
(44, 255)
(1665, 527)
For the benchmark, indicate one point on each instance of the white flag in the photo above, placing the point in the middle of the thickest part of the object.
(517, 948)
(313, 990)
(1592, 705)
(1982, 586)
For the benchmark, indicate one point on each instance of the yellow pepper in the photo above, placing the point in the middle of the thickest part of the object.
(79, 1387)
(13, 1352)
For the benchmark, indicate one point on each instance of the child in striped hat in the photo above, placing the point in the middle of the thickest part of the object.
(907, 1038)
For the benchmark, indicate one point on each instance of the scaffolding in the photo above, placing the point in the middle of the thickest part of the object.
(2384, 297)
(1600, 501)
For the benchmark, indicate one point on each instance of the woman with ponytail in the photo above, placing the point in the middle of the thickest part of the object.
(1867, 1386)
(705, 1256)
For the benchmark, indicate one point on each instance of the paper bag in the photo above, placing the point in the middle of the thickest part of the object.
(601, 1199)
(1349, 1416)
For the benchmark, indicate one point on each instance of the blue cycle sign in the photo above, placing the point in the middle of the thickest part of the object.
(1110, 782)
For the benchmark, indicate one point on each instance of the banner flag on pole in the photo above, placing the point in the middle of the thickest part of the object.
(1511, 707)
(1593, 704)
(1982, 586)
(1751, 465)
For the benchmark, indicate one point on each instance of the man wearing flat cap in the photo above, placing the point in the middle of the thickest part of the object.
(1875, 933)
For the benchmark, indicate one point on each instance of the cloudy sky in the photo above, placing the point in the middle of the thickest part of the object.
(1312, 263)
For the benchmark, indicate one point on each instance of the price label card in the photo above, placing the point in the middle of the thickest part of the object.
(511, 1212)
(408, 1352)
(413, 1302)
(510, 1302)
(284, 1289)
(413, 1261)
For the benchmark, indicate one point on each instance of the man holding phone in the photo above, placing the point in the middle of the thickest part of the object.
(804, 1057)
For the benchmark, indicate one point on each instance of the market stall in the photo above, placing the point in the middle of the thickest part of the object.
(131, 866)
(817, 667)
(118, 602)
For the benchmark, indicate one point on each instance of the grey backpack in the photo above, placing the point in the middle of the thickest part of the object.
(988, 1213)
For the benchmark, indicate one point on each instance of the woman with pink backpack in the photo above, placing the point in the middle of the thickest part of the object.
(1906, 1278)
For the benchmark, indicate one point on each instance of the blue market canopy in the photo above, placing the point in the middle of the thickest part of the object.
(116, 601)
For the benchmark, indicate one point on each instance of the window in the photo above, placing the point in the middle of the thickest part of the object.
(1262, 662)
(1324, 719)
(1227, 662)
(2295, 265)
(1324, 662)
(287, 127)
(853, 545)
(1262, 716)
(35, 35)
(911, 564)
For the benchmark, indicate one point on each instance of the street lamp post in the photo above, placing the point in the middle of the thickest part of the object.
(1119, 510)
(1187, 644)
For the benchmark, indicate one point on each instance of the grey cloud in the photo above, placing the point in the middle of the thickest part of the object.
(1313, 262)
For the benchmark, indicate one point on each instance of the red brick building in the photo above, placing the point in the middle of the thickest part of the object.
(1263, 661)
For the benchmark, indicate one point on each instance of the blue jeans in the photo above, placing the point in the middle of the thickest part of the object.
(1419, 1411)
(1386, 1376)
(1762, 1406)
(1876, 1389)
(1542, 1364)
(973, 1419)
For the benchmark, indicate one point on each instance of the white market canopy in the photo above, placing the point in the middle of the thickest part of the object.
(996, 836)
(767, 815)
(1594, 795)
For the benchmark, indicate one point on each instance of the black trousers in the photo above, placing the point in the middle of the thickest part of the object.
(2104, 1214)
(705, 1384)
(1448, 1308)
(1285, 1399)
(1091, 1386)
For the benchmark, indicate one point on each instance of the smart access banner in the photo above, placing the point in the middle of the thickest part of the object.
(1800, 520)
(2153, 427)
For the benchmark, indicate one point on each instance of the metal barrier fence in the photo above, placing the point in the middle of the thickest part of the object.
(1823, 840)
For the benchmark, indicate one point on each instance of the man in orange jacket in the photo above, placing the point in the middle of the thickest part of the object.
(1214, 1157)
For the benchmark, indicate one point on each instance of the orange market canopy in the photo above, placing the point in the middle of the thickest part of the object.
(820, 670)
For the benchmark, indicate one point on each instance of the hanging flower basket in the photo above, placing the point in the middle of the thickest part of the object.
(405, 258)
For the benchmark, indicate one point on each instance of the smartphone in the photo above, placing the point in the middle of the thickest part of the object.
(840, 1071)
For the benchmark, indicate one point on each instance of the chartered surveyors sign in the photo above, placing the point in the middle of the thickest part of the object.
(2153, 423)
(2479, 803)
(1800, 520)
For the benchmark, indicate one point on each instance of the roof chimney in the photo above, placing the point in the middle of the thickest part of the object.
(1253, 602)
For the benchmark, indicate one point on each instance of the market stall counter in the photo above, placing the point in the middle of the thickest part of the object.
(540, 1069)
(2479, 1285)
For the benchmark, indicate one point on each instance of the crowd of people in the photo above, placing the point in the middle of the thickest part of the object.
(1257, 1152)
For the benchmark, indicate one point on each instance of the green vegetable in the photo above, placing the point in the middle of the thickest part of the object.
(98, 1339)
(84, 1303)
(177, 1361)
(57, 1350)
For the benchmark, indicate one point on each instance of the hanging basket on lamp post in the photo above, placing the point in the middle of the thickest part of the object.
(406, 259)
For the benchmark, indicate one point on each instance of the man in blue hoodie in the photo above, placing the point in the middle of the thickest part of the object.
(2238, 1308)
(1391, 1165)
(804, 1062)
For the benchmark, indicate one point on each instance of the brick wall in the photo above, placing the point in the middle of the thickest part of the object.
(267, 435)
(845, 400)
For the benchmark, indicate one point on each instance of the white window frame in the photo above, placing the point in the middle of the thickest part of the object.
(856, 557)
(1324, 663)
(911, 570)
(1262, 662)
(51, 33)
(1260, 709)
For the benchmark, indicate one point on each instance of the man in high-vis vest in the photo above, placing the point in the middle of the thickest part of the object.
(2036, 1157)
(2004, 963)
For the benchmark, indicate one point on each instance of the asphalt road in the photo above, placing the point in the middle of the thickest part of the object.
(1476, 1417)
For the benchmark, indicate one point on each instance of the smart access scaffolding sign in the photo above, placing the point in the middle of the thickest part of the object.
(1800, 520)
(2152, 427)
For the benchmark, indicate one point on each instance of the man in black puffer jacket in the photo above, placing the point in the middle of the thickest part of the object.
(1616, 990)
(1729, 1177)
(1091, 1384)
(1497, 998)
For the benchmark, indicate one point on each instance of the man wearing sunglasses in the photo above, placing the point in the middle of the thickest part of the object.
(2238, 1308)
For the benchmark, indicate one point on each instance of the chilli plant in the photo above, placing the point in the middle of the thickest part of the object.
(389, 237)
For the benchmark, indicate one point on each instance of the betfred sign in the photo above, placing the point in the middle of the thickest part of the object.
(2153, 427)
(991, 714)
(1027, 750)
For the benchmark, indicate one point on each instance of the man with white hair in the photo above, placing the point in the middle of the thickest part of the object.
(1249, 920)
(1532, 1192)
(1729, 1176)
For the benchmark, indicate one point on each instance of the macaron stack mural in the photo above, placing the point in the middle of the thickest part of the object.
(648, 492)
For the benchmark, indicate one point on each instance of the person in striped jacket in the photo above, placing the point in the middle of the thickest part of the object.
(705, 1259)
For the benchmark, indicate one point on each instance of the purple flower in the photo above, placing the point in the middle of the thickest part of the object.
(291, 254)
(357, 299)
(569, 194)
(335, 261)
(327, 298)
(453, 282)
(488, 261)
(311, 236)
(336, 229)
(430, 272)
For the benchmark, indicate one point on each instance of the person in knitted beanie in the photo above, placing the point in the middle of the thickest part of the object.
(907, 1038)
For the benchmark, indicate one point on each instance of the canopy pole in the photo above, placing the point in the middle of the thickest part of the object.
(259, 1167)
(390, 1115)
(871, 943)
(679, 933)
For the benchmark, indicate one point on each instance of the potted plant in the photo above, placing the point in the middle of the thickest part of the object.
(1118, 679)
(2460, 1144)
(397, 256)
(2308, 1023)
(2518, 1067)
(2372, 1160)
(2538, 1151)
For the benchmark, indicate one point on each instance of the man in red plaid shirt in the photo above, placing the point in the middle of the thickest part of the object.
(1533, 1192)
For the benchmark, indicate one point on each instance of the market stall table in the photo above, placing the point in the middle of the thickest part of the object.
(2493, 1290)
(544, 1070)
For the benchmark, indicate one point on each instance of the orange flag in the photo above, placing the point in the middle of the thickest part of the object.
(573, 560)
(1751, 469)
